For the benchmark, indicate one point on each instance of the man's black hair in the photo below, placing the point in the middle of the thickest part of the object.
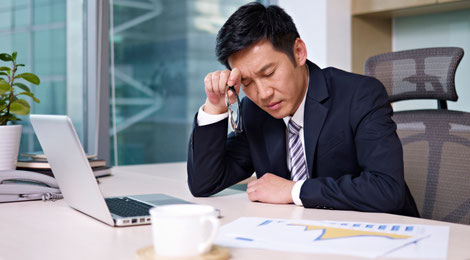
(253, 22)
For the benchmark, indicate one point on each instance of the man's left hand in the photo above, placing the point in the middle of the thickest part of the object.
(270, 188)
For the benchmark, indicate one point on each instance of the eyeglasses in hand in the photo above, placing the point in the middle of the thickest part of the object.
(234, 110)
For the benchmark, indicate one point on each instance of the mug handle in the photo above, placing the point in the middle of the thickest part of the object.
(215, 227)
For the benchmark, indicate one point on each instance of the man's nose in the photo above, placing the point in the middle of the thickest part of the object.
(264, 91)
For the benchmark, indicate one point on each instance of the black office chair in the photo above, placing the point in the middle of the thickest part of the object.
(436, 142)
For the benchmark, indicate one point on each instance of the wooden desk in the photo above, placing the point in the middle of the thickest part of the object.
(52, 230)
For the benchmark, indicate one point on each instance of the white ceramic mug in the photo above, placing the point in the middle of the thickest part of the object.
(184, 229)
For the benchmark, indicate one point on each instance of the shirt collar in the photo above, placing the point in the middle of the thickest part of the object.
(298, 116)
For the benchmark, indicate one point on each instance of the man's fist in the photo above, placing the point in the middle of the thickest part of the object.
(271, 188)
(215, 84)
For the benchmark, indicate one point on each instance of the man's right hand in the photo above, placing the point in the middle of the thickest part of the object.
(215, 84)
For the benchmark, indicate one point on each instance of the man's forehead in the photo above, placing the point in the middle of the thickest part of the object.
(256, 55)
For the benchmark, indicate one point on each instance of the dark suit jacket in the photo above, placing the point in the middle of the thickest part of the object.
(354, 156)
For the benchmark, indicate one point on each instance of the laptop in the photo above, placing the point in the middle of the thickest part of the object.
(77, 182)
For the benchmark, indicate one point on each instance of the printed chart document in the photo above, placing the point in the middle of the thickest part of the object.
(333, 237)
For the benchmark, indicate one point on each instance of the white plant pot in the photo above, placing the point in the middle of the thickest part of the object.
(10, 136)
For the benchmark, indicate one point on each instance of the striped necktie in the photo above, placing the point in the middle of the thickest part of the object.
(296, 153)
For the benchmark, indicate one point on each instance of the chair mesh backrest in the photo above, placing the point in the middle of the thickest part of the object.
(417, 74)
(436, 150)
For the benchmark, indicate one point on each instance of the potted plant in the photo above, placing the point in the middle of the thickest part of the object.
(12, 105)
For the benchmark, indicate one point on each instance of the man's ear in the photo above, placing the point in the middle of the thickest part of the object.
(300, 52)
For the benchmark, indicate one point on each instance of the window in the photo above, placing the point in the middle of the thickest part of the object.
(48, 36)
(160, 51)
(160, 54)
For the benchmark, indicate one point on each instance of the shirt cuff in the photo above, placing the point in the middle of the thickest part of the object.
(204, 118)
(296, 193)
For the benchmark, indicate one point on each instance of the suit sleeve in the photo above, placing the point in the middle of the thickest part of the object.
(216, 161)
(380, 187)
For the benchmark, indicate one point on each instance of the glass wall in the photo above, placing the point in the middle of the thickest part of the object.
(161, 51)
(45, 33)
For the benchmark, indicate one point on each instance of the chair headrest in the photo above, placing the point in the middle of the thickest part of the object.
(427, 73)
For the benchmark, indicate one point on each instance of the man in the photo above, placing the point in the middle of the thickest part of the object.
(321, 138)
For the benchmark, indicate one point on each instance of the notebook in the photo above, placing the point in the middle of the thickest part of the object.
(76, 180)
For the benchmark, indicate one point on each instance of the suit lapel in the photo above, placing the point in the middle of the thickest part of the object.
(316, 110)
(274, 131)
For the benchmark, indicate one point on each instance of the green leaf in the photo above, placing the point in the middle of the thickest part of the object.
(13, 55)
(30, 95)
(5, 68)
(22, 86)
(19, 65)
(20, 107)
(30, 77)
(3, 73)
(4, 87)
(5, 57)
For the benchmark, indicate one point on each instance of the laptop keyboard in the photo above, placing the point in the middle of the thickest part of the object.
(126, 207)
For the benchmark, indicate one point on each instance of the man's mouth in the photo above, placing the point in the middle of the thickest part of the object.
(274, 105)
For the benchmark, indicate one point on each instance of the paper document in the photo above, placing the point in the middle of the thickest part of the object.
(331, 237)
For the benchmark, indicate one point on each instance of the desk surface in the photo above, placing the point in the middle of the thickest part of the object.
(52, 230)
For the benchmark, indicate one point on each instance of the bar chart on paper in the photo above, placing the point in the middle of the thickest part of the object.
(332, 237)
